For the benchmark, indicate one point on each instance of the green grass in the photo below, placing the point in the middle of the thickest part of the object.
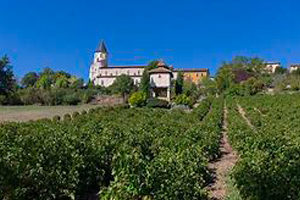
(232, 191)
(34, 112)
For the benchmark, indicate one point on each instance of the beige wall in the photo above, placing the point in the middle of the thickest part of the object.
(160, 80)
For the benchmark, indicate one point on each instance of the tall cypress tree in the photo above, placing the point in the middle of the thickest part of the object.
(179, 84)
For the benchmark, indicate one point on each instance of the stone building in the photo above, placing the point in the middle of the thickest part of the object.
(294, 67)
(104, 75)
(161, 81)
(272, 66)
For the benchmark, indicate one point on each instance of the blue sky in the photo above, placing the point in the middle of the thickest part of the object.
(62, 34)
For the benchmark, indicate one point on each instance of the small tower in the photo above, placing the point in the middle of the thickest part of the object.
(100, 55)
(100, 60)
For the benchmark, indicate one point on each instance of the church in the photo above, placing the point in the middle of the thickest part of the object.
(160, 78)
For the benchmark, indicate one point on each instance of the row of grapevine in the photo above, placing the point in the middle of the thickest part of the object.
(269, 165)
(123, 153)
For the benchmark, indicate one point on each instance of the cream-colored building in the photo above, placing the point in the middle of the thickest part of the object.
(161, 81)
(160, 78)
(272, 66)
(294, 67)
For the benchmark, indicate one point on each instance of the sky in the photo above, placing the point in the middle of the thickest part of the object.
(63, 34)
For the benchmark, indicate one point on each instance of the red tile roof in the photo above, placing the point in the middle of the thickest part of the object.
(192, 70)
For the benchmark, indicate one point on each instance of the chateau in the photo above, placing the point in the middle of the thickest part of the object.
(104, 75)
(160, 78)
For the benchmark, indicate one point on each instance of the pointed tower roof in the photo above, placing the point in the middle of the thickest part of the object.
(102, 47)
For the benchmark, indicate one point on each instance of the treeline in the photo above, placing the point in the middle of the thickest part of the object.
(244, 76)
(47, 87)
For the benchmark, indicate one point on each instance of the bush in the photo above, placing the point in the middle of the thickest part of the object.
(137, 99)
(71, 99)
(75, 114)
(83, 112)
(183, 99)
(157, 103)
(67, 117)
(2, 99)
(56, 118)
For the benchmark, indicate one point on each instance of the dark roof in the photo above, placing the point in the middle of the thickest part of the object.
(295, 65)
(192, 70)
(102, 48)
(127, 66)
(160, 70)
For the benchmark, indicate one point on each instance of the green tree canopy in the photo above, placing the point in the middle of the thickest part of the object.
(7, 80)
(152, 65)
(123, 85)
(44, 82)
(29, 79)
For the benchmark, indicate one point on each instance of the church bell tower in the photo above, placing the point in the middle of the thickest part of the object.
(99, 61)
(100, 55)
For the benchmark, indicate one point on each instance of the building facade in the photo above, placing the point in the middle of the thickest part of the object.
(104, 75)
(294, 67)
(272, 66)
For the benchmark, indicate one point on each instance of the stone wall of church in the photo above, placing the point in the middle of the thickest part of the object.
(106, 76)
(160, 80)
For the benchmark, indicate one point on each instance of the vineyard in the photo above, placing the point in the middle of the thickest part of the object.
(269, 148)
(119, 152)
(144, 153)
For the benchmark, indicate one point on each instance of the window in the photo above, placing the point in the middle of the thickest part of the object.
(110, 74)
(102, 82)
(159, 76)
(134, 74)
(116, 73)
(128, 72)
(105, 73)
(138, 72)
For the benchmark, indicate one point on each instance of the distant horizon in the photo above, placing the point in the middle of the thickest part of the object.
(194, 34)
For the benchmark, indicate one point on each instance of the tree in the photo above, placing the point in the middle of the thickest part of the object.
(208, 86)
(76, 83)
(61, 82)
(44, 82)
(280, 70)
(224, 78)
(145, 83)
(179, 83)
(123, 85)
(29, 79)
(7, 81)
(152, 65)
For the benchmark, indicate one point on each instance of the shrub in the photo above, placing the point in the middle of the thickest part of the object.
(83, 112)
(2, 99)
(67, 117)
(75, 114)
(137, 99)
(157, 103)
(183, 99)
(71, 99)
(56, 118)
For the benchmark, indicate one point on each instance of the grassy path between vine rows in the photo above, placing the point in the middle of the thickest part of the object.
(243, 114)
(26, 113)
(222, 165)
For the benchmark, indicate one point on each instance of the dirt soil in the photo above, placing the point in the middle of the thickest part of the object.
(222, 165)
